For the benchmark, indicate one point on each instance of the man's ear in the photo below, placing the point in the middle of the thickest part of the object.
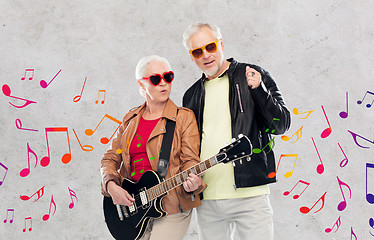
(223, 46)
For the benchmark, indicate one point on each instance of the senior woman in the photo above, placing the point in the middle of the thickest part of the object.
(140, 138)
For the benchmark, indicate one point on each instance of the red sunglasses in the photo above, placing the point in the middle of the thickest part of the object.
(156, 78)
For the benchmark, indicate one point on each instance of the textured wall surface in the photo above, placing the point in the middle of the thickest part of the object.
(320, 53)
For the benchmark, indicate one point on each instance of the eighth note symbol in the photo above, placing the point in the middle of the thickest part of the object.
(369, 104)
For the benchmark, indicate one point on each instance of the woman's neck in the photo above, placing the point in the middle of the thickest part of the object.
(153, 110)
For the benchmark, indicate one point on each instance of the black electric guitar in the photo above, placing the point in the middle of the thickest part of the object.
(130, 223)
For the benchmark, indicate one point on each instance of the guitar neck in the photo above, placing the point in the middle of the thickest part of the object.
(177, 180)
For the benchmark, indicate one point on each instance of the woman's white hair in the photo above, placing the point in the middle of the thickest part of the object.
(142, 66)
(195, 27)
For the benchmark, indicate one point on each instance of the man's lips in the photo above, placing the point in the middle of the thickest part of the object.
(208, 63)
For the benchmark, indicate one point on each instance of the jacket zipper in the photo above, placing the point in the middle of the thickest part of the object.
(240, 100)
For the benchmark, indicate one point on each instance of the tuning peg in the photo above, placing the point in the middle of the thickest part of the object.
(241, 162)
(248, 158)
(233, 140)
(233, 163)
(240, 135)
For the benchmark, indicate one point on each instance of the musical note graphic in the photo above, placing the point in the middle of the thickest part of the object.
(305, 209)
(135, 166)
(273, 120)
(127, 145)
(320, 167)
(353, 234)
(344, 114)
(271, 145)
(78, 97)
(371, 222)
(46, 216)
(19, 126)
(369, 104)
(6, 218)
(153, 158)
(325, 133)
(29, 70)
(343, 204)
(298, 134)
(67, 157)
(40, 194)
(344, 162)
(296, 196)
(355, 135)
(369, 196)
(104, 140)
(6, 170)
(86, 148)
(44, 84)
(338, 223)
(296, 112)
(72, 194)
(25, 172)
(7, 92)
(287, 174)
(140, 139)
(98, 97)
(30, 229)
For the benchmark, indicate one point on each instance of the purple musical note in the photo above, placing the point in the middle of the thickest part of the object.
(44, 84)
(6, 170)
(369, 104)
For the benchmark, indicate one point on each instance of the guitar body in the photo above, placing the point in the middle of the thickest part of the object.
(133, 225)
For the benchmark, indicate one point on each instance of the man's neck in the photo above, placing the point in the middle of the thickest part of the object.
(224, 67)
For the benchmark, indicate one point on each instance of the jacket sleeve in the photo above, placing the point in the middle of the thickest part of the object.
(270, 104)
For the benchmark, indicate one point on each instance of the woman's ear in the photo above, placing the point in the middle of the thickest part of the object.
(141, 84)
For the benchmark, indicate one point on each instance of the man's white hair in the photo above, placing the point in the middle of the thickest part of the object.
(195, 27)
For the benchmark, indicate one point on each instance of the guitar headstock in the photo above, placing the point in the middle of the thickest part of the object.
(238, 149)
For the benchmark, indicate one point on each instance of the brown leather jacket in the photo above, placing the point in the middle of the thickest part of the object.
(184, 153)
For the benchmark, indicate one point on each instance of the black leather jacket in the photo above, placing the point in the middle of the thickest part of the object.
(254, 113)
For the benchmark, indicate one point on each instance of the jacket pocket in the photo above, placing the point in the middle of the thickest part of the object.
(239, 98)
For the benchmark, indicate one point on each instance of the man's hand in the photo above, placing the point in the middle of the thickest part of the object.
(119, 195)
(192, 183)
(253, 77)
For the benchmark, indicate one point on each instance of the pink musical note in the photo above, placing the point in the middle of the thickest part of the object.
(355, 135)
(19, 126)
(104, 140)
(338, 223)
(296, 112)
(343, 114)
(6, 170)
(271, 145)
(30, 229)
(67, 157)
(369, 196)
(344, 162)
(320, 167)
(72, 194)
(40, 194)
(46, 216)
(305, 209)
(287, 174)
(343, 204)
(25, 172)
(28, 70)
(296, 196)
(328, 130)
(98, 97)
(298, 134)
(44, 84)
(78, 97)
(7, 92)
(353, 234)
(369, 104)
(273, 120)
(9, 211)
(86, 148)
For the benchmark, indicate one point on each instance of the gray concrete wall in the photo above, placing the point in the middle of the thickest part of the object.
(318, 51)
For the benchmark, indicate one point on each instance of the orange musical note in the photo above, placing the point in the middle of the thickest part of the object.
(78, 97)
(6, 170)
(67, 157)
(8, 211)
(30, 229)
(305, 209)
(320, 167)
(46, 216)
(25, 172)
(98, 96)
(343, 204)
(72, 194)
(296, 196)
(44, 84)
(125, 147)
(287, 174)
(337, 224)
(344, 114)
(271, 145)
(104, 140)
(7, 92)
(296, 112)
(328, 130)
(355, 135)
(135, 166)
(344, 162)
(273, 120)
(28, 70)
(369, 196)
(298, 134)
(40, 194)
(86, 148)
(19, 126)
(367, 105)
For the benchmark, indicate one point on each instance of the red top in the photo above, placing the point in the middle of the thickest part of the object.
(138, 153)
